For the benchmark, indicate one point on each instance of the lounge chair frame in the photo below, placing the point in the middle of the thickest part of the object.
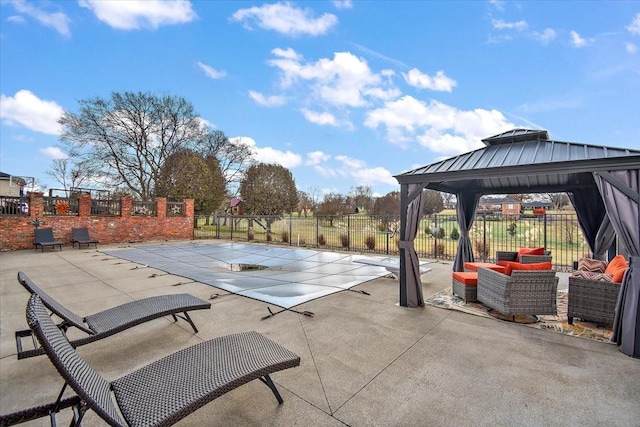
(524, 258)
(44, 238)
(192, 377)
(81, 237)
(111, 321)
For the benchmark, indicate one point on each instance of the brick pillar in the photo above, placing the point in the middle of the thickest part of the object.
(84, 205)
(161, 207)
(36, 205)
(188, 208)
(126, 206)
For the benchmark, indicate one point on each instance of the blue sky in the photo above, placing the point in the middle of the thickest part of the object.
(343, 93)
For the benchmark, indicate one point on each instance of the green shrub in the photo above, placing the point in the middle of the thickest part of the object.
(427, 230)
(370, 242)
(441, 233)
(455, 234)
(511, 229)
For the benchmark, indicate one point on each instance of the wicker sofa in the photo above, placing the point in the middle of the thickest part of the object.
(524, 258)
(524, 292)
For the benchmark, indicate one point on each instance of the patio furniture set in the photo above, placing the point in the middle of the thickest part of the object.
(80, 236)
(524, 283)
(191, 377)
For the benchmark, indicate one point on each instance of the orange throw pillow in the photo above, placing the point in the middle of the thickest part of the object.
(615, 264)
(535, 266)
(529, 251)
(618, 275)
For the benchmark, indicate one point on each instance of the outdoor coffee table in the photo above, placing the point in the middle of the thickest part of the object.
(473, 266)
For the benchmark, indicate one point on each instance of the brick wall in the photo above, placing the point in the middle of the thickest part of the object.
(17, 232)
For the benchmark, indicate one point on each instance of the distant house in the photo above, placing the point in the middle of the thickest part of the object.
(7, 189)
(237, 206)
(499, 205)
(538, 208)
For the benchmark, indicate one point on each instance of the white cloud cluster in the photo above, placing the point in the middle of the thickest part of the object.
(577, 41)
(28, 110)
(53, 153)
(267, 101)
(634, 26)
(343, 4)
(439, 82)
(285, 19)
(435, 125)
(499, 24)
(137, 14)
(56, 20)
(211, 72)
(287, 158)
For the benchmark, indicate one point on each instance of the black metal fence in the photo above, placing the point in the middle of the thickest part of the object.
(60, 206)
(437, 235)
(14, 205)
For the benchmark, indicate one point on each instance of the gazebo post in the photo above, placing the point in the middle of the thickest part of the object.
(404, 204)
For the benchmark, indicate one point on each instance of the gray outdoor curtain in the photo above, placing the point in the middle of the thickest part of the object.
(412, 263)
(593, 220)
(465, 209)
(621, 195)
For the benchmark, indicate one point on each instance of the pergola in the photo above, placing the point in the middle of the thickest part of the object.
(603, 184)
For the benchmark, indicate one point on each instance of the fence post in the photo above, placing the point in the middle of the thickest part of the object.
(290, 227)
(544, 226)
(484, 237)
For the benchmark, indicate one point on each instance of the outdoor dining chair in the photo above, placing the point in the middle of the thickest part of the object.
(111, 321)
(44, 237)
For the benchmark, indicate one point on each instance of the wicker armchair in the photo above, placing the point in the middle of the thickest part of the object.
(525, 292)
(524, 259)
(592, 300)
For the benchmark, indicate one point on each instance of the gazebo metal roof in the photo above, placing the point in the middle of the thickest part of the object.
(522, 161)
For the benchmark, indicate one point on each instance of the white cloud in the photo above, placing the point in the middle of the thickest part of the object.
(631, 48)
(577, 41)
(287, 158)
(437, 126)
(53, 152)
(423, 81)
(343, 4)
(546, 36)
(286, 19)
(345, 80)
(358, 170)
(316, 157)
(137, 14)
(325, 171)
(17, 18)
(634, 27)
(210, 71)
(28, 110)
(499, 24)
(267, 101)
(56, 20)
(319, 118)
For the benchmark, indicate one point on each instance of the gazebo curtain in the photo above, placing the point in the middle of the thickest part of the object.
(466, 203)
(621, 195)
(411, 262)
(593, 220)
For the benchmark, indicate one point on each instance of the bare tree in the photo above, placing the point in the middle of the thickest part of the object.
(362, 197)
(130, 135)
(234, 157)
(69, 175)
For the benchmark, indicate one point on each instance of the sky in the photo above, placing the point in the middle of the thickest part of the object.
(342, 93)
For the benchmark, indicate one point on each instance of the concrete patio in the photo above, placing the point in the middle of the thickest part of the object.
(364, 360)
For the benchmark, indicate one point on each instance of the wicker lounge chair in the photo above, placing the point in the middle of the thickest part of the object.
(81, 237)
(592, 300)
(525, 292)
(111, 321)
(44, 237)
(189, 378)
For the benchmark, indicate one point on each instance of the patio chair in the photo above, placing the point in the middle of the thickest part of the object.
(81, 237)
(111, 321)
(44, 237)
(169, 389)
(524, 292)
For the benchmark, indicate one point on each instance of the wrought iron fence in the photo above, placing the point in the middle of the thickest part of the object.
(175, 209)
(437, 236)
(60, 206)
(14, 205)
(106, 207)
(144, 208)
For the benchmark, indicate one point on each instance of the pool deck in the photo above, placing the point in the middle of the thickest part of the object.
(365, 361)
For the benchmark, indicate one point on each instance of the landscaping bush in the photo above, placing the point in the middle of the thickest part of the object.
(250, 235)
(344, 239)
(441, 233)
(269, 237)
(427, 230)
(439, 249)
(321, 240)
(285, 236)
(370, 242)
(482, 248)
(511, 229)
(455, 234)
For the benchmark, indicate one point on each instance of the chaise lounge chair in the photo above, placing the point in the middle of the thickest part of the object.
(165, 391)
(111, 321)
(81, 237)
(44, 237)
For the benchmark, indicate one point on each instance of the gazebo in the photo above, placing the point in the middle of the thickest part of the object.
(603, 184)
